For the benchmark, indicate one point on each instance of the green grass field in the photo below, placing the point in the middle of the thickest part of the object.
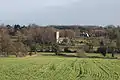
(59, 68)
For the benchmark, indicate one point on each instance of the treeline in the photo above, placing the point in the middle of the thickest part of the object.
(73, 26)
(23, 40)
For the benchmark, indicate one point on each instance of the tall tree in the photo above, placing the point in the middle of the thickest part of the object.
(102, 48)
(118, 39)
(5, 43)
(113, 34)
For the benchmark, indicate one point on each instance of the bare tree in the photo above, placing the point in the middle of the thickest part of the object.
(20, 49)
(5, 43)
(67, 33)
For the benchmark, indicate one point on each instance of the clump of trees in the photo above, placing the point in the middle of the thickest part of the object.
(23, 40)
(10, 47)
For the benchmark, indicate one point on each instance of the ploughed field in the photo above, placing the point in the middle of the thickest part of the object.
(59, 68)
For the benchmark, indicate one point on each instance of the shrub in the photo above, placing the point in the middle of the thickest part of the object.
(81, 53)
(81, 42)
(88, 49)
(102, 50)
(66, 49)
(56, 49)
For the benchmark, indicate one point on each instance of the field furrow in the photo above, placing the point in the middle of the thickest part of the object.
(59, 69)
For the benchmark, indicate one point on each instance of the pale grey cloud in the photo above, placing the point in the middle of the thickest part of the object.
(99, 12)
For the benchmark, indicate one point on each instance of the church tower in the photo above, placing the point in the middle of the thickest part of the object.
(57, 36)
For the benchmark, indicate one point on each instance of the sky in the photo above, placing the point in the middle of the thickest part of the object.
(60, 12)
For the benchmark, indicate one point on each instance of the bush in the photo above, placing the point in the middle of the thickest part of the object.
(56, 49)
(102, 50)
(81, 53)
(87, 49)
(48, 49)
(81, 42)
(20, 50)
(109, 50)
(66, 49)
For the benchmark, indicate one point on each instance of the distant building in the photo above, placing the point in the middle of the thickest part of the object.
(60, 39)
(84, 34)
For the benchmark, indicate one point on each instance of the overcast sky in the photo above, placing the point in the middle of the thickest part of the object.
(52, 12)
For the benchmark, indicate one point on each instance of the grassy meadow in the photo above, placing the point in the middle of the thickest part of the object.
(48, 67)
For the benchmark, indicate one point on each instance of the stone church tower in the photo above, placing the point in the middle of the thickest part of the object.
(57, 36)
